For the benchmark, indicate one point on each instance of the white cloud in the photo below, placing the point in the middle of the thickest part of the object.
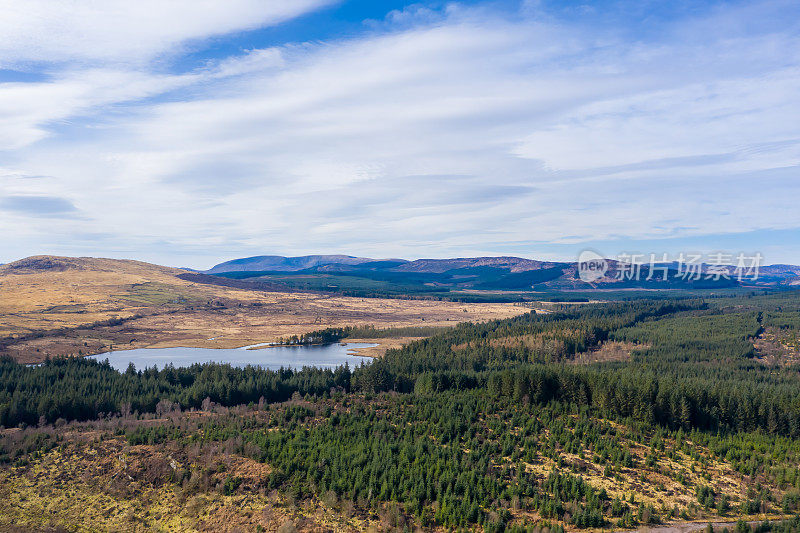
(732, 116)
(29, 111)
(453, 132)
(126, 31)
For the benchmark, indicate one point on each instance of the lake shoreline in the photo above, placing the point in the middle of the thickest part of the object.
(294, 356)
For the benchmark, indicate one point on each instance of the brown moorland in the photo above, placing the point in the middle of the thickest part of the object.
(67, 306)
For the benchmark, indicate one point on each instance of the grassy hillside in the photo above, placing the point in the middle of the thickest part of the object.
(51, 306)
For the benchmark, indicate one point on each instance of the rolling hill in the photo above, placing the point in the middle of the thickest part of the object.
(52, 306)
(458, 276)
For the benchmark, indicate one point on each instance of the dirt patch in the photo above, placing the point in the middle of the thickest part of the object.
(93, 481)
(383, 345)
(608, 351)
(777, 347)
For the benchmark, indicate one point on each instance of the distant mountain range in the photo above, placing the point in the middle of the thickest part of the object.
(278, 263)
(337, 263)
(360, 275)
(496, 279)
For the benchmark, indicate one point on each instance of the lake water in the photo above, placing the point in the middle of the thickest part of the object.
(325, 356)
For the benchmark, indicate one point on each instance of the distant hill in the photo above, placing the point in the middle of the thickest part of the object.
(788, 274)
(277, 263)
(127, 270)
(366, 276)
(512, 264)
(45, 296)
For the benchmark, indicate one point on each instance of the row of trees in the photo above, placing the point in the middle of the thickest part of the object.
(694, 371)
(83, 389)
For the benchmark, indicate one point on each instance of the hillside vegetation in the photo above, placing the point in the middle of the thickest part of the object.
(467, 429)
(492, 278)
(55, 306)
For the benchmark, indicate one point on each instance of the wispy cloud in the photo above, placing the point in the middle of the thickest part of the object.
(127, 31)
(38, 206)
(453, 131)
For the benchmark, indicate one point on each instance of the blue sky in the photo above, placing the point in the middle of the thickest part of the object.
(181, 135)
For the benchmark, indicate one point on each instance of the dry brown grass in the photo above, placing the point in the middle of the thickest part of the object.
(658, 485)
(108, 485)
(94, 479)
(51, 306)
(776, 347)
(609, 351)
(383, 344)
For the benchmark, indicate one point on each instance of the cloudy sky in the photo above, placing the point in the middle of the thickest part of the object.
(187, 132)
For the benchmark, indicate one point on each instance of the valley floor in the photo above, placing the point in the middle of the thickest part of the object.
(82, 306)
